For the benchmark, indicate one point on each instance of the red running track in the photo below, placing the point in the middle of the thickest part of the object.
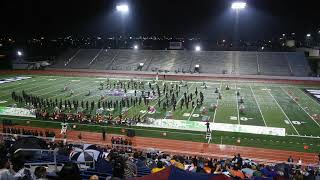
(190, 148)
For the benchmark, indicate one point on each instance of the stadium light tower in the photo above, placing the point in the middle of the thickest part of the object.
(122, 8)
(238, 5)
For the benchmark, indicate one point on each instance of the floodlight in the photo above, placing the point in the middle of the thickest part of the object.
(123, 8)
(19, 53)
(197, 48)
(308, 35)
(238, 5)
(135, 47)
(262, 48)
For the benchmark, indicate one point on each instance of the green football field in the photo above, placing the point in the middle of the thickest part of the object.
(265, 105)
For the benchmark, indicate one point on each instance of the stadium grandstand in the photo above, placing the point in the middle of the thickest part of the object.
(176, 61)
(159, 90)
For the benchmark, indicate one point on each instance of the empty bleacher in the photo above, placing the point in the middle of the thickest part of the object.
(246, 63)
(83, 58)
(298, 64)
(128, 60)
(62, 60)
(212, 62)
(170, 61)
(273, 64)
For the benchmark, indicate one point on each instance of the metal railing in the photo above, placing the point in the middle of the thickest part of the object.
(41, 151)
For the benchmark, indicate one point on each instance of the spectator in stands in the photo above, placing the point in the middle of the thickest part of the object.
(290, 160)
(235, 171)
(70, 171)
(247, 170)
(158, 168)
(4, 167)
(40, 173)
(118, 167)
(130, 169)
(94, 177)
(19, 170)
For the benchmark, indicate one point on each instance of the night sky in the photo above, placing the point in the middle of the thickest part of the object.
(206, 18)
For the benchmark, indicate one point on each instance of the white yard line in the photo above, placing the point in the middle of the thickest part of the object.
(77, 85)
(313, 137)
(20, 86)
(258, 106)
(192, 112)
(152, 105)
(41, 84)
(283, 112)
(182, 96)
(308, 96)
(215, 112)
(300, 106)
(237, 101)
(80, 92)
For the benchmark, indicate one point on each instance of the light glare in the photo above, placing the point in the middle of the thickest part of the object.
(238, 5)
(122, 8)
(198, 48)
(19, 53)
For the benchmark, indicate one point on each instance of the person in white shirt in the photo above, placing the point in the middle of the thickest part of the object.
(5, 173)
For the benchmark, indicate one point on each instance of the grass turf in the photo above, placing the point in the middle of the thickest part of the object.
(269, 105)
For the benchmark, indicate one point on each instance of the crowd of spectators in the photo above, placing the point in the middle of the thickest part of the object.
(12, 130)
(124, 161)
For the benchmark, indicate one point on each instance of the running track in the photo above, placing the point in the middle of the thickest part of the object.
(190, 148)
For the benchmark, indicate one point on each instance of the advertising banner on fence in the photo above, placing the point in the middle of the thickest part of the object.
(22, 112)
(13, 79)
(201, 126)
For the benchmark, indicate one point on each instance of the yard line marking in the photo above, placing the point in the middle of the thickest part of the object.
(307, 96)
(19, 86)
(215, 112)
(41, 94)
(283, 112)
(77, 85)
(80, 92)
(312, 137)
(192, 112)
(179, 98)
(300, 106)
(41, 81)
(258, 106)
(237, 101)
(42, 84)
(182, 93)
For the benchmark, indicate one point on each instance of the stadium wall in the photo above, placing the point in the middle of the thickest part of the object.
(170, 76)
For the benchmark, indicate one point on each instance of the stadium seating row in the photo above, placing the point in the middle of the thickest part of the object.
(212, 62)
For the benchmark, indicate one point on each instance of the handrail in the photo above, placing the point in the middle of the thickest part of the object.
(41, 150)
